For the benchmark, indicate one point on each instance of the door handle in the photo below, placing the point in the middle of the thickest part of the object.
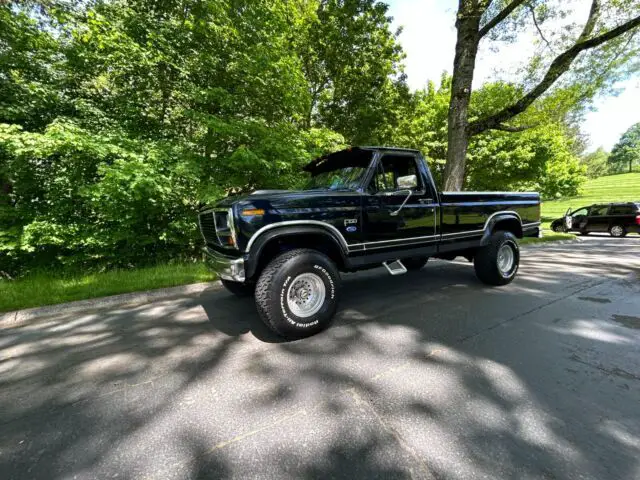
(426, 200)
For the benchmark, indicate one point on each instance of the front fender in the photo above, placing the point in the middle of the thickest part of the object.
(258, 243)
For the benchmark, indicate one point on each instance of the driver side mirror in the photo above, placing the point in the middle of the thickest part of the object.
(407, 182)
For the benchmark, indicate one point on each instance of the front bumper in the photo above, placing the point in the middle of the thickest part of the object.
(227, 268)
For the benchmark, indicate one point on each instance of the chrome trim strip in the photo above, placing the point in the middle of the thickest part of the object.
(286, 223)
(232, 226)
(392, 240)
(532, 224)
(359, 247)
(497, 193)
(465, 233)
(215, 226)
(486, 223)
(200, 226)
(406, 244)
(489, 203)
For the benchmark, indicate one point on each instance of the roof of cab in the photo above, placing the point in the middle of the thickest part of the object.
(363, 150)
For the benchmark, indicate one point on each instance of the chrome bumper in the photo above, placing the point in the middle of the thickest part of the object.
(227, 268)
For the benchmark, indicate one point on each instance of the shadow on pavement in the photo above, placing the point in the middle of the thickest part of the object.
(428, 375)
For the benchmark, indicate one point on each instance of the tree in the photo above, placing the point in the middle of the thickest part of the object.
(627, 150)
(352, 62)
(596, 163)
(599, 52)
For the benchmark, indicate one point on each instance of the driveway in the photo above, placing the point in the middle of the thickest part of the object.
(426, 375)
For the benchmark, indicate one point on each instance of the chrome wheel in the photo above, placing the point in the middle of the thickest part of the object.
(506, 259)
(306, 295)
(617, 231)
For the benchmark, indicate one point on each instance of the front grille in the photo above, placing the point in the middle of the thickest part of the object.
(208, 228)
(215, 228)
(221, 221)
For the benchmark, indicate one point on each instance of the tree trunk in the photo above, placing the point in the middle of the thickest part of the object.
(468, 24)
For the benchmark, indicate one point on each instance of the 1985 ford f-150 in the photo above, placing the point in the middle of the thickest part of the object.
(362, 207)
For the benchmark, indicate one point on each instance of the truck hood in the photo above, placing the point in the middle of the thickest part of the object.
(277, 196)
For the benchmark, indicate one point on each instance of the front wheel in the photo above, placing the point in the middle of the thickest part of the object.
(497, 262)
(297, 293)
(559, 228)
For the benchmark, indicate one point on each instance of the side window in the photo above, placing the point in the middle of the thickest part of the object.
(391, 167)
(621, 210)
(598, 210)
(577, 213)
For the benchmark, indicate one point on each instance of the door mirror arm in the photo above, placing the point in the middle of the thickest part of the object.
(396, 212)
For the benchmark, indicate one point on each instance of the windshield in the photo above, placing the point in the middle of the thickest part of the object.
(346, 178)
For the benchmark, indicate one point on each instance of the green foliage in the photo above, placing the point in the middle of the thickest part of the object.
(626, 152)
(596, 163)
(119, 118)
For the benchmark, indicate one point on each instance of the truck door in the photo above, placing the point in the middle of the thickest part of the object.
(399, 207)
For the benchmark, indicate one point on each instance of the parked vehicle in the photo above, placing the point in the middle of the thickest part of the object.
(362, 208)
(617, 219)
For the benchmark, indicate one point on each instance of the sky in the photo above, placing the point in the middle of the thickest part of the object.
(429, 37)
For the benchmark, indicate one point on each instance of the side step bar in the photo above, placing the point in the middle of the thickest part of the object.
(395, 268)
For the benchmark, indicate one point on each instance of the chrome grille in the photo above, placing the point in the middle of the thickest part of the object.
(208, 227)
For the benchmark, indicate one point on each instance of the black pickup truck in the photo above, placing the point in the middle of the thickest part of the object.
(362, 207)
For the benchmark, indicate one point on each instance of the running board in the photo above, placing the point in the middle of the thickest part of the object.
(395, 268)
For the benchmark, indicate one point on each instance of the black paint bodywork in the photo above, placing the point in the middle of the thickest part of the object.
(359, 226)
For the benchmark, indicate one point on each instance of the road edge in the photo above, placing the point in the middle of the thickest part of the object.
(132, 298)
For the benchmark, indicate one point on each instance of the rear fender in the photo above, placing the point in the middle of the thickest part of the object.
(506, 221)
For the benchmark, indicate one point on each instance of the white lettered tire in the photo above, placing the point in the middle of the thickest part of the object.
(297, 293)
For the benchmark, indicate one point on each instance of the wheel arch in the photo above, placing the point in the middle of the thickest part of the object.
(508, 221)
(279, 239)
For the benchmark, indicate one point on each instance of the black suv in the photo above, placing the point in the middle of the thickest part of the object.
(616, 218)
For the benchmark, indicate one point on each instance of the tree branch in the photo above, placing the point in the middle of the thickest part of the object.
(500, 17)
(558, 67)
(594, 13)
(511, 128)
(535, 22)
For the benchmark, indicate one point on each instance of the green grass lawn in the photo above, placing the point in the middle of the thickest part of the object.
(41, 289)
(612, 188)
(548, 237)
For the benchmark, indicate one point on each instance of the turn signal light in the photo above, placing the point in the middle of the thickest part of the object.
(251, 212)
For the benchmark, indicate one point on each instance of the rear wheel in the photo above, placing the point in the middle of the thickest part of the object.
(415, 263)
(297, 293)
(497, 262)
(617, 231)
(239, 289)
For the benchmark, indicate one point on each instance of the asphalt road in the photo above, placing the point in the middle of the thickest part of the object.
(427, 375)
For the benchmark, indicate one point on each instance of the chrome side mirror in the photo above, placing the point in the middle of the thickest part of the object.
(407, 182)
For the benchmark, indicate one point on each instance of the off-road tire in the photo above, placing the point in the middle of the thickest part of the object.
(613, 231)
(274, 282)
(414, 263)
(485, 261)
(239, 289)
